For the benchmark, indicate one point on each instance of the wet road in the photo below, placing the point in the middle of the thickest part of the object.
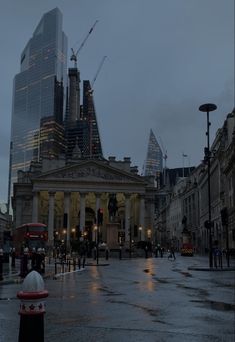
(132, 300)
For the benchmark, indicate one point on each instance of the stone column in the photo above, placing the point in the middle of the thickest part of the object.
(142, 216)
(151, 223)
(97, 204)
(35, 206)
(19, 209)
(127, 217)
(51, 218)
(82, 211)
(67, 199)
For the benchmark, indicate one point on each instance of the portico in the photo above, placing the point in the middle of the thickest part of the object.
(69, 198)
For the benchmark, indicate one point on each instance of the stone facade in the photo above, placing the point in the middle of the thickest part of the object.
(189, 198)
(67, 197)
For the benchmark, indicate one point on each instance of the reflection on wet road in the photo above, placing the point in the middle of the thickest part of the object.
(132, 300)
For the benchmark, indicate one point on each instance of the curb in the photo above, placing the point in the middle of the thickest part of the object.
(94, 264)
(211, 269)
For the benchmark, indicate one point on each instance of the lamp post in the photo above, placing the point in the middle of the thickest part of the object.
(96, 230)
(207, 108)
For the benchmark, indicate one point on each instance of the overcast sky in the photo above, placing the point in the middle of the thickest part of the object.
(164, 59)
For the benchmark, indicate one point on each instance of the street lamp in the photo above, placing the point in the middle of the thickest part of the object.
(96, 230)
(207, 108)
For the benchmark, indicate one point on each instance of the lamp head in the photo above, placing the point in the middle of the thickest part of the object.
(207, 107)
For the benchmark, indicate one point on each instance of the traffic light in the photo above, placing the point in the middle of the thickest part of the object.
(100, 216)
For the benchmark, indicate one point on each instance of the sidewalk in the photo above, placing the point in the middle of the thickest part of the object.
(11, 275)
(201, 263)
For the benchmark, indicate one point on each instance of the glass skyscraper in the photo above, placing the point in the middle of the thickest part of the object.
(38, 95)
(154, 159)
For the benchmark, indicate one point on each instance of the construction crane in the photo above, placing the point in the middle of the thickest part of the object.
(96, 75)
(75, 54)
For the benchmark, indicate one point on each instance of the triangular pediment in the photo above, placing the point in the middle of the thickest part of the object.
(91, 171)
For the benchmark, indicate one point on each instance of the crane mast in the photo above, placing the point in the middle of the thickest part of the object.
(75, 53)
(97, 72)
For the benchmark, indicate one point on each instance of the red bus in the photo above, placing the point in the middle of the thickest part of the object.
(31, 235)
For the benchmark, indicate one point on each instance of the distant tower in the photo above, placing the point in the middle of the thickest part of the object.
(81, 127)
(154, 160)
(92, 148)
(72, 117)
(38, 93)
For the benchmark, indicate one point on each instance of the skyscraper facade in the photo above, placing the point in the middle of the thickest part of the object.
(81, 127)
(154, 160)
(93, 146)
(38, 94)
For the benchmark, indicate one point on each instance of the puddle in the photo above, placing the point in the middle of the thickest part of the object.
(161, 280)
(186, 274)
(148, 271)
(221, 306)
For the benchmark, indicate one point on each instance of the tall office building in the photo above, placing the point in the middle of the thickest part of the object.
(81, 127)
(92, 148)
(38, 96)
(154, 160)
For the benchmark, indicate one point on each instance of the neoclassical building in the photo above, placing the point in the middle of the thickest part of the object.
(67, 196)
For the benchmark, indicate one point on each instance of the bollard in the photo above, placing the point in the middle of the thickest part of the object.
(95, 253)
(146, 252)
(32, 308)
(83, 261)
(156, 252)
(74, 264)
(55, 267)
(106, 253)
(1, 264)
(79, 262)
(24, 263)
(120, 252)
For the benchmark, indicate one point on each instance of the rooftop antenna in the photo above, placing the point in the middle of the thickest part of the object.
(75, 54)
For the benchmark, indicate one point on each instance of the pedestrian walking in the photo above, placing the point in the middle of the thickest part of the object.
(13, 257)
(38, 261)
(171, 253)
